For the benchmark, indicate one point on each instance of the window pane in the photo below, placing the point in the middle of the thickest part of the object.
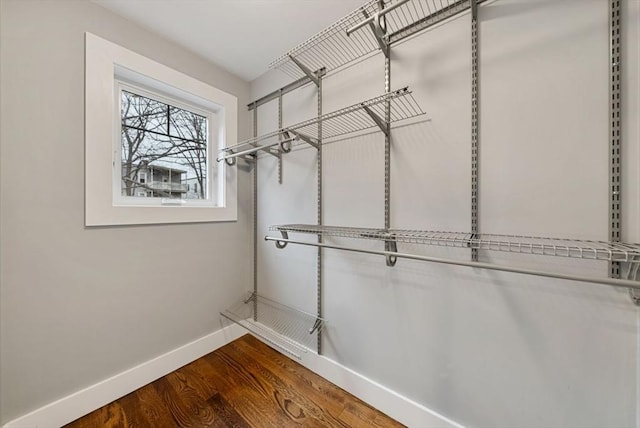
(164, 150)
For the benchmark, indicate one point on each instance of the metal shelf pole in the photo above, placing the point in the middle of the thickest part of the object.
(255, 219)
(615, 137)
(319, 290)
(475, 122)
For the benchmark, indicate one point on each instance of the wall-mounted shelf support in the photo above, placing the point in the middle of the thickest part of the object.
(313, 142)
(390, 245)
(306, 70)
(317, 325)
(378, 120)
(378, 28)
(282, 244)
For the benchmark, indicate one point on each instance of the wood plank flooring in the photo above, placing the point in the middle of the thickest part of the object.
(243, 384)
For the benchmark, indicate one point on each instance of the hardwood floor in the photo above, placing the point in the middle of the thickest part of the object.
(243, 384)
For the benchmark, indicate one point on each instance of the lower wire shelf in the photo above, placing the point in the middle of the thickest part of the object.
(288, 329)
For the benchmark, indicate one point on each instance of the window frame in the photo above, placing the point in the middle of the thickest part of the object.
(212, 168)
(105, 62)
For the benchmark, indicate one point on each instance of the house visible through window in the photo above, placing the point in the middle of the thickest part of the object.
(164, 146)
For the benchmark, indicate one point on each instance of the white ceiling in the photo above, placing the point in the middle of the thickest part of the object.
(242, 36)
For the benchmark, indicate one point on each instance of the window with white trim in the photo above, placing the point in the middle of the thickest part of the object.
(151, 138)
(163, 144)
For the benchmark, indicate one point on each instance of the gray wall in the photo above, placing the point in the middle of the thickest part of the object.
(483, 348)
(79, 305)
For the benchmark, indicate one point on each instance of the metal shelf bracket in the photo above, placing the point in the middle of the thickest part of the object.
(317, 325)
(306, 70)
(313, 142)
(629, 271)
(378, 120)
(391, 246)
(280, 244)
(378, 26)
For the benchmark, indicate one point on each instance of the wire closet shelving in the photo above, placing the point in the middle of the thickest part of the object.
(572, 248)
(342, 43)
(289, 329)
(357, 117)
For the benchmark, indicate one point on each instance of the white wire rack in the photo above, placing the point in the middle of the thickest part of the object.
(333, 48)
(581, 249)
(289, 329)
(344, 121)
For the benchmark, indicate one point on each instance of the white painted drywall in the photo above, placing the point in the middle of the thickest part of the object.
(80, 305)
(480, 347)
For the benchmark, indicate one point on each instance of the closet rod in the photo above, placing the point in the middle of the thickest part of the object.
(623, 283)
(284, 90)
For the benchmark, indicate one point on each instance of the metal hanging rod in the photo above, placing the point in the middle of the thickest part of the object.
(624, 283)
(285, 146)
(284, 90)
(572, 248)
(357, 117)
(341, 44)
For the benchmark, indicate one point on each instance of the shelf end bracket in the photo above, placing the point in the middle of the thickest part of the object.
(378, 29)
(307, 139)
(390, 245)
(310, 74)
(281, 244)
(316, 326)
(377, 119)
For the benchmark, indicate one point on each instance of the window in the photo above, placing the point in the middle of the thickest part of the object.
(167, 137)
(152, 135)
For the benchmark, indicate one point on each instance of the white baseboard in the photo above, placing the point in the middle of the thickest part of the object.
(84, 401)
(400, 408)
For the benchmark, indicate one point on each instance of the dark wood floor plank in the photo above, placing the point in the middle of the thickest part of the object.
(350, 410)
(153, 408)
(201, 412)
(244, 393)
(299, 377)
(243, 384)
(226, 412)
(180, 407)
(133, 411)
(298, 406)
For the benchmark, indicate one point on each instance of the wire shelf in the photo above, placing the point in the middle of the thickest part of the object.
(344, 121)
(288, 329)
(572, 248)
(333, 48)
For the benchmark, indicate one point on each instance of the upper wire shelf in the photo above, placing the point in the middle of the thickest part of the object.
(333, 47)
(357, 117)
(573, 248)
(289, 329)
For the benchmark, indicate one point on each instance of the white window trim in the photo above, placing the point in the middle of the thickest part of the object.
(102, 60)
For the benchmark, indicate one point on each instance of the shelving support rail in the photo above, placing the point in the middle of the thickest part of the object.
(626, 254)
(357, 117)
